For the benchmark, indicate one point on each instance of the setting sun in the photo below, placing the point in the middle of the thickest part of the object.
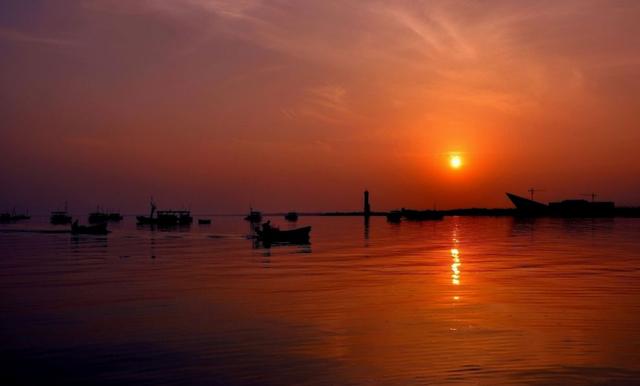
(455, 161)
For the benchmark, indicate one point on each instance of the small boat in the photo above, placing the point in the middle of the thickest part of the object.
(253, 216)
(421, 215)
(174, 217)
(291, 216)
(60, 218)
(13, 217)
(97, 229)
(165, 217)
(115, 216)
(394, 216)
(99, 217)
(204, 221)
(269, 234)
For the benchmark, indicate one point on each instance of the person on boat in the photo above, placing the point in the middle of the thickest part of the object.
(266, 227)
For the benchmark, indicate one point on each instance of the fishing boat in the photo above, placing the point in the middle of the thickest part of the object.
(270, 235)
(97, 229)
(13, 216)
(253, 216)
(99, 217)
(204, 221)
(291, 216)
(165, 217)
(60, 218)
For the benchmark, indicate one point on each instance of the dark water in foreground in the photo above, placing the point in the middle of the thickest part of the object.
(464, 301)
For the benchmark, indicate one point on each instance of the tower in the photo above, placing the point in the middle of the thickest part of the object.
(367, 207)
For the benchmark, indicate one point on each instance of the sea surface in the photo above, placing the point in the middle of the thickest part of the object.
(463, 301)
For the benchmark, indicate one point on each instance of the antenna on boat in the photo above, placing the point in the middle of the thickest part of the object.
(592, 195)
(532, 191)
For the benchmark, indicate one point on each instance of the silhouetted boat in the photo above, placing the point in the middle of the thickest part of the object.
(204, 221)
(60, 218)
(97, 229)
(566, 208)
(394, 216)
(165, 217)
(421, 215)
(291, 216)
(13, 216)
(98, 217)
(254, 216)
(268, 234)
(527, 206)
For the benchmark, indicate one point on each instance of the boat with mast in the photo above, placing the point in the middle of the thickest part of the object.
(60, 217)
(165, 217)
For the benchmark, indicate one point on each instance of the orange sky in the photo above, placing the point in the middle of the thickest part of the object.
(218, 104)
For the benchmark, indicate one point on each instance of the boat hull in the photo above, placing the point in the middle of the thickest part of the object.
(299, 235)
(98, 229)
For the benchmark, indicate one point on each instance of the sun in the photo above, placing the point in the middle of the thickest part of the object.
(455, 161)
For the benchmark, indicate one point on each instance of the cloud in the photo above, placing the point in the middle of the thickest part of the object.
(22, 37)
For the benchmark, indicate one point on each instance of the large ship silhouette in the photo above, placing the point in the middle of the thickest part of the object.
(566, 208)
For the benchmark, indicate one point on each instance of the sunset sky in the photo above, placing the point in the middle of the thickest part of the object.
(301, 105)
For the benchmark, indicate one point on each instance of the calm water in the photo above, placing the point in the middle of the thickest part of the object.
(464, 301)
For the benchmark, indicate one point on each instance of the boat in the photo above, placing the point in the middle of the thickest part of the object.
(565, 208)
(291, 216)
(272, 235)
(526, 206)
(99, 216)
(165, 217)
(115, 216)
(253, 216)
(421, 215)
(204, 221)
(60, 218)
(97, 229)
(13, 216)
(394, 216)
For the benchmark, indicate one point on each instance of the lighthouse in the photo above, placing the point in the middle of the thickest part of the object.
(367, 207)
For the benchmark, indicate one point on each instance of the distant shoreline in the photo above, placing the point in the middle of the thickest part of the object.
(630, 211)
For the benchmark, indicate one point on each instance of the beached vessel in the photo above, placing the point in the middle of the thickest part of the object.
(565, 208)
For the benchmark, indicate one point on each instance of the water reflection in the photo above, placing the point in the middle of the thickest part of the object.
(366, 231)
(332, 317)
(455, 255)
(455, 267)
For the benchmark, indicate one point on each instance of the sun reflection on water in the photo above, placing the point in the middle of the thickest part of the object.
(455, 267)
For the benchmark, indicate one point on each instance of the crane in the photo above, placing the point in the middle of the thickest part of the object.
(592, 195)
(532, 191)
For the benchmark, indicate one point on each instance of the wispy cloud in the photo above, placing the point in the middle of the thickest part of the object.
(23, 37)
